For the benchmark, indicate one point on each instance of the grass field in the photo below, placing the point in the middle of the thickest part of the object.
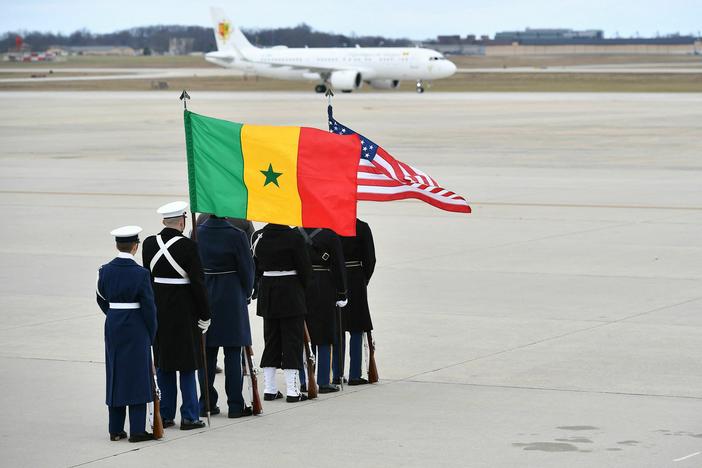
(478, 82)
(149, 61)
(541, 61)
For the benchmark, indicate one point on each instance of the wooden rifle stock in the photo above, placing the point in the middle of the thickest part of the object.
(255, 397)
(311, 368)
(158, 423)
(372, 369)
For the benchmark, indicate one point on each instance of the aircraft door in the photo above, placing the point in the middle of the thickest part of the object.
(414, 62)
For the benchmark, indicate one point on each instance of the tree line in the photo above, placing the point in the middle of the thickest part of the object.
(156, 38)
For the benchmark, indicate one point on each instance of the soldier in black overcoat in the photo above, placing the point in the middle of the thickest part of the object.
(284, 270)
(359, 255)
(183, 314)
(327, 292)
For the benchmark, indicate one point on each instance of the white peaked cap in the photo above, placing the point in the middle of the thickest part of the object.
(126, 233)
(173, 209)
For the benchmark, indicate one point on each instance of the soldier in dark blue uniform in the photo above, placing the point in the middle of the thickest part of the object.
(183, 314)
(229, 274)
(284, 271)
(328, 292)
(239, 223)
(124, 294)
(359, 253)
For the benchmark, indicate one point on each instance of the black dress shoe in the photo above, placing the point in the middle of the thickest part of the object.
(328, 388)
(168, 423)
(248, 411)
(272, 396)
(295, 399)
(337, 381)
(118, 436)
(303, 388)
(358, 381)
(144, 436)
(186, 425)
(214, 411)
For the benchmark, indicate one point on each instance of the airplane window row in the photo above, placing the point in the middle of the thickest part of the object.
(347, 59)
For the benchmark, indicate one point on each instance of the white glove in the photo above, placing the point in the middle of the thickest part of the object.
(342, 303)
(204, 325)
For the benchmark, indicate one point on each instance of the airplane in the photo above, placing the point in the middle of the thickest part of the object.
(338, 68)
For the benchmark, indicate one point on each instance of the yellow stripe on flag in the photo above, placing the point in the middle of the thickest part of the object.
(270, 173)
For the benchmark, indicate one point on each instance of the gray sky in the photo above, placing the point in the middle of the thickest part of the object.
(416, 19)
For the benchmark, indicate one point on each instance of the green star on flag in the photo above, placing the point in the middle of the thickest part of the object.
(271, 176)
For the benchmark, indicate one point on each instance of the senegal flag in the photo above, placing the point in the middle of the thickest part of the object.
(287, 175)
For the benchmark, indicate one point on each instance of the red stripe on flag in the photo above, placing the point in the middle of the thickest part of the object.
(461, 208)
(326, 180)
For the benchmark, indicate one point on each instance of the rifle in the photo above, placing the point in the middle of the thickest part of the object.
(158, 423)
(205, 390)
(372, 369)
(255, 397)
(340, 353)
(203, 347)
(311, 368)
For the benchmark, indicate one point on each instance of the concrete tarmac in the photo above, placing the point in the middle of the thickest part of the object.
(558, 325)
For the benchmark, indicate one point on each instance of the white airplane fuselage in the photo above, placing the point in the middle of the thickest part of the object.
(373, 63)
(342, 68)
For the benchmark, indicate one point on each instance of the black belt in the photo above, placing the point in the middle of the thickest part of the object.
(354, 264)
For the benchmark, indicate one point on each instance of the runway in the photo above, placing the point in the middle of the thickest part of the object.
(112, 73)
(557, 325)
(102, 74)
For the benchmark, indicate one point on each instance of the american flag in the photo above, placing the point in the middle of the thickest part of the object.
(383, 178)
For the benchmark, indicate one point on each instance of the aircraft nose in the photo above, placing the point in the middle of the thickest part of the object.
(450, 68)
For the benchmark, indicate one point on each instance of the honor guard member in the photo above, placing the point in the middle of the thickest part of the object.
(229, 274)
(359, 253)
(124, 294)
(284, 268)
(327, 292)
(183, 314)
(239, 223)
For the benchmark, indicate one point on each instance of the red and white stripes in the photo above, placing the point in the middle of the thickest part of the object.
(386, 179)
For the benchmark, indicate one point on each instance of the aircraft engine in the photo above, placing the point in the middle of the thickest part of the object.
(346, 80)
(385, 84)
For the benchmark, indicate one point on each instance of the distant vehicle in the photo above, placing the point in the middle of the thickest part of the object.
(340, 68)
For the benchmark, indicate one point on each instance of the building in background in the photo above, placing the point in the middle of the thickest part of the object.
(99, 50)
(564, 42)
(180, 45)
(548, 35)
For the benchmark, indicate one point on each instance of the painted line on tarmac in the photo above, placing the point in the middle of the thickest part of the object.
(547, 339)
(88, 194)
(546, 389)
(586, 205)
(687, 456)
(235, 422)
(547, 205)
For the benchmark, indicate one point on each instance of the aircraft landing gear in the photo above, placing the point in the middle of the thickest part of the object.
(420, 86)
(320, 88)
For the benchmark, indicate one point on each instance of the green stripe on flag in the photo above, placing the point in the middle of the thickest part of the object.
(215, 166)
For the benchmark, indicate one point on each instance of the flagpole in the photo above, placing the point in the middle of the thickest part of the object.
(184, 96)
